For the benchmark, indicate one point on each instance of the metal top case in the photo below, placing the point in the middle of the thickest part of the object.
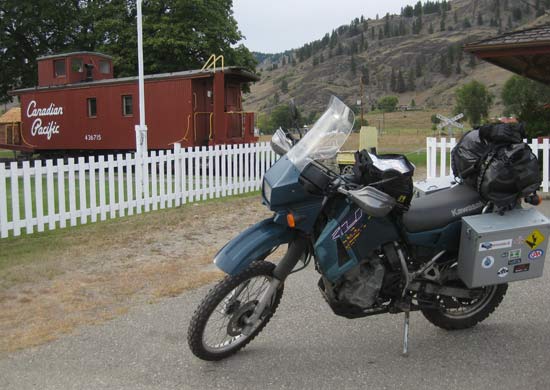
(497, 249)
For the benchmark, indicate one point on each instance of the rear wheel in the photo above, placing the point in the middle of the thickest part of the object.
(216, 330)
(458, 313)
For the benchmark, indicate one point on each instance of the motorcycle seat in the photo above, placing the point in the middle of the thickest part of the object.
(441, 208)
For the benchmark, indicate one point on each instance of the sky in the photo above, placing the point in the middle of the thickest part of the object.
(272, 26)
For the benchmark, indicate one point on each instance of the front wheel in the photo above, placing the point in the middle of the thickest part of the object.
(456, 313)
(217, 327)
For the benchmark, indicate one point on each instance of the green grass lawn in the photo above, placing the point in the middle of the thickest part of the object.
(6, 153)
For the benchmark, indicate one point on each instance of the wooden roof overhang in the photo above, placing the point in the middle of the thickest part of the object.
(525, 52)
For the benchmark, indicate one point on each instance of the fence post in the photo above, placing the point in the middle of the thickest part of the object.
(177, 171)
(38, 195)
(545, 162)
(204, 164)
(92, 189)
(82, 191)
(217, 178)
(27, 196)
(3, 203)
(72, 191)
(16, 218)
(429, 152)
(129, 184)
(61, 193)
(111, 176)
(120, 177)
(443, 157)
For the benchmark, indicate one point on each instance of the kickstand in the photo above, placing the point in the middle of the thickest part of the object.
(406, 333)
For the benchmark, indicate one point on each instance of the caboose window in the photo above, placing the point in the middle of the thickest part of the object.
(76, 65)
(104, 67)
(59, 68)
(127, 107)
(92, 108)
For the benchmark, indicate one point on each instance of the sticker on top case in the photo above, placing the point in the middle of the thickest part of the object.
(494, 245)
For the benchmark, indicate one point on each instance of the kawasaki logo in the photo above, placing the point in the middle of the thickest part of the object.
(467, 209)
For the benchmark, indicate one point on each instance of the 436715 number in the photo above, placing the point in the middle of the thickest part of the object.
(92, 137)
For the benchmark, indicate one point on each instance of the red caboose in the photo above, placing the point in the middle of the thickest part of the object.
(78, 106)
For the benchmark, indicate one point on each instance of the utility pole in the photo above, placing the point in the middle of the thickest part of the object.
(362, 98)
(141, 129)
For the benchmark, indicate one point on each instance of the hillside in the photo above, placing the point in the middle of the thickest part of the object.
(422, 55)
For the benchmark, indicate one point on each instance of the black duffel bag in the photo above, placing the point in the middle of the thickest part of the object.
(508, 173)
(390, 173)
(467, 156)
(503, 133)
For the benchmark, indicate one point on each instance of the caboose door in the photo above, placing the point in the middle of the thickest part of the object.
(203, 108)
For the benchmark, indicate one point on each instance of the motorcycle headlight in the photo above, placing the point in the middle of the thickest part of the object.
(267, 191)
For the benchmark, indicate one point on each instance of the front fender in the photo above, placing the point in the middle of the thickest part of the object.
(251, 244)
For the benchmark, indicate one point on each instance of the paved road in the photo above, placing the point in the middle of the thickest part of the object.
(304, 347)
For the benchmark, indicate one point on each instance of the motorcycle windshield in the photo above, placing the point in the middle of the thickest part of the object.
(326, 137)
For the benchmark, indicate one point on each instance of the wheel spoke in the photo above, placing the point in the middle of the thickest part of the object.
(216, 334)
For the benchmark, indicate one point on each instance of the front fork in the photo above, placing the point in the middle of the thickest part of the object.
(282, 270)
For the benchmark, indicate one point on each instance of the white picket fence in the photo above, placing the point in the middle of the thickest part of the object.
(439, 153)
(57, 194)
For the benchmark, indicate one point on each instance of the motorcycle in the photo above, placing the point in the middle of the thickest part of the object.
(374, 254)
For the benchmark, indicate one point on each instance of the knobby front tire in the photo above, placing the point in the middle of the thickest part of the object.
(216, 346)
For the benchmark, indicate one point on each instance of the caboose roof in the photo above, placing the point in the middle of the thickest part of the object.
(74, 53)
(240, 73)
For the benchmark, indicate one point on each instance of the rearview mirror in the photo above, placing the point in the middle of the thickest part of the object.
(280, 143)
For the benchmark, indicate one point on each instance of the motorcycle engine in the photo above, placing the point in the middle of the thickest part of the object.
(361, 285)
(357, 290)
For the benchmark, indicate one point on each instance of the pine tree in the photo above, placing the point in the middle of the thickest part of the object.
(393, 81)
(479, 19)
(444, 67)
(451, 54)
(442, 25)
(333, 40)
(458, 69)
(466, 23)
(419, 64)
(353, 66)
(431, 29)
(387, 31)
(284, 86)
(539, 10)
(401, 86)
(411, 85)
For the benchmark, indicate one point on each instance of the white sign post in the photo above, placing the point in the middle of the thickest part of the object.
(450, 123)
(141, 129)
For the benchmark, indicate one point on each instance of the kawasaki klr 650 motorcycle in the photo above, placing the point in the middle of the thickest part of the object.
(374, 256)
